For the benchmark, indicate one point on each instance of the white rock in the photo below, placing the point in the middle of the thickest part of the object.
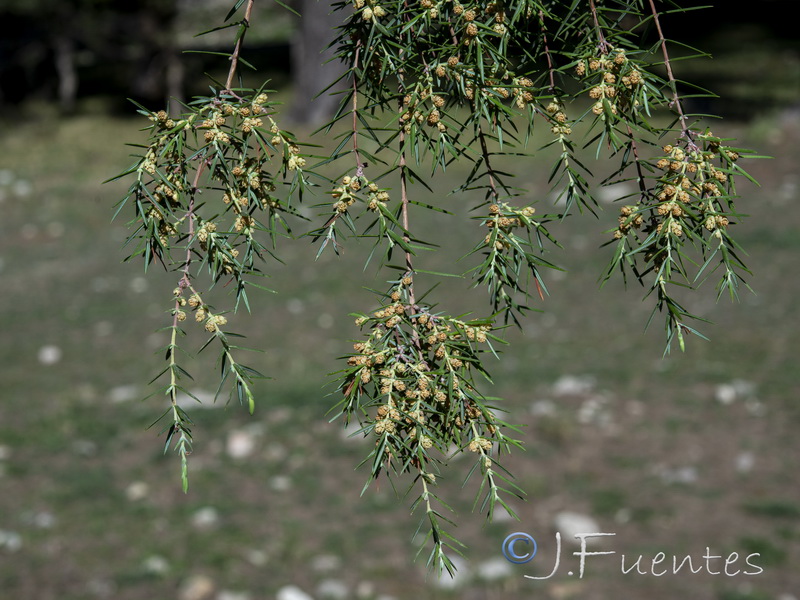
(325, 321)
(494, 569)
(295, 306)
(280, 483)
(203, 399)
(745, 461)
(10, 540)
(326, 563)
(49, 355)
(333, 589)
(84, 447)
(138, 285)
(205, 518)
(365, 590)
(229, 595)
(124, 393)
(22, 188)
(5, 452)
(571, 523)
(459, 579)
(684, 475)
(155, 564)
(573, 385)
(609, 194)
(103, 328)
(136, 491)
(197, 587)
(256, 557)
(240, 444)
(738, 389)
(292, 592)
(725, 393)
(543, 408)
(44, 519)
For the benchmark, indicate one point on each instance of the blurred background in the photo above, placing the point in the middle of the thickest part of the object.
(685, 455)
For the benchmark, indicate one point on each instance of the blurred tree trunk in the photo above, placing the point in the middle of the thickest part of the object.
(64, 50)
(310, 70)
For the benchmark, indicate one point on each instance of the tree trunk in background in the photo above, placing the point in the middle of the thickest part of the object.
(310, 71)
(64, 50)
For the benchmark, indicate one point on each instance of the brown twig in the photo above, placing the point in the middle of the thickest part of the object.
(676, 101)
(602, 44)
(550, 69)
(238, 48)
(355, 106)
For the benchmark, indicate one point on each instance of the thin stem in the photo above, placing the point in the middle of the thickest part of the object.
(676, 101)
(404, 215)
(355, 107)
(489, 169)
(602, 44)
(547, 52)
(238, 48)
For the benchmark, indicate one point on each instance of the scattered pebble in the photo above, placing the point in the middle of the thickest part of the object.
(543, 408)
(573, 385)
(138, 285)
(5, 452)
(103, 328)
(280, 483)
(745, 461)
(44, 520)
(738, 389)
(365, 590)
(197, 587)
(608, 194)
(6, 177)
(295, 306)
(10, 540)
(326, 563)
(325, 321)
(292, 592)
(459, 579)
(494, 569)
(205, 518)
(49, 355)
(571, 523)
(594, 411)
(257, 558)
(22, 188)
(680, 475)
(156, 564)
(229, 595)
(100, 588)
(124, 393)
(623, 515)
(240, 444)
(203, 399)
(137, 490)
(84, 447)
(333, 589)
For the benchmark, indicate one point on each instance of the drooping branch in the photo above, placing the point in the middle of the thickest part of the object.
(238, 47)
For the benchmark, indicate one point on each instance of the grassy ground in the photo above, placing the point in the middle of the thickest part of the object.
(676, 455)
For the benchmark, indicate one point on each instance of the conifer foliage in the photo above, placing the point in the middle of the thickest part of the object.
(428, 84)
